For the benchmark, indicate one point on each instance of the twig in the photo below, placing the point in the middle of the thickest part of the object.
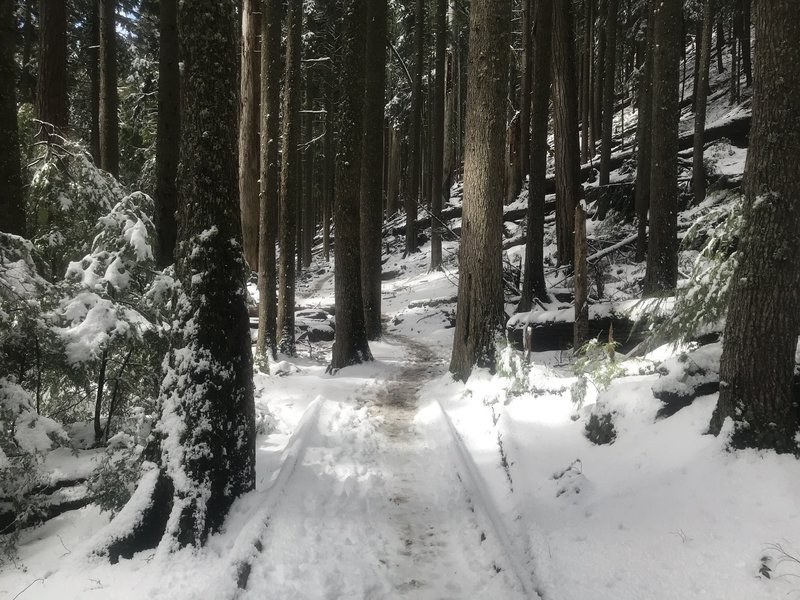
(26, 588)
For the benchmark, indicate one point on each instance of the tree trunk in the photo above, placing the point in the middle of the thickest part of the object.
(109, 116)
(610, 64)
(350, 345)
(12, 199)
(290, 179)
(698, 169)
(371, 166)
(565, 109)
(308, 228)
(207, 444)
(479, 317)
(763, 322)
(586, 80)
(581, 328)
(643, 136)
(94, 81)
(27, 88)
(249, 92)
(168, 135)
(269, 176)
(746, 52)
(415, 134)
(51, 95)
(720, 39)
(599, 72)
(662, 252)
(533, 283)
(393, 183)
(438, 189)
(329, 174)
(525, 92)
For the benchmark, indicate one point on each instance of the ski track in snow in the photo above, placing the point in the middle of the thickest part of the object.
(376, 507)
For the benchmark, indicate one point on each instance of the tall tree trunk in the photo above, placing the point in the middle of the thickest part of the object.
(269, 177)
(747, 65)
(393, 182)
(27, 88)
(599, 72)
(643, 136)
(350, 344)
(329, 174)
(415, 134)
(308, 228)
(168, 134)
(763, 321)
(610, 64)
(586, 80)
(51, 95)
(290, 179)
(109, 101)
(698, 170)
(371, 166)
(662, 254)
(12, 205)
(94, 81)
(568, 186)
(438, 190)
(249, 92)
(720, 39)
(533, 283)
(581, 326)
(207, 449)
(479, 318)
(525, 92)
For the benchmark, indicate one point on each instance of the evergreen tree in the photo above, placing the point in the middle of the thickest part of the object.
(109, 99)
(51, 94)
(12, 205)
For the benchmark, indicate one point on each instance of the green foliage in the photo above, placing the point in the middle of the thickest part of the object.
(509, 364)
(596, 362)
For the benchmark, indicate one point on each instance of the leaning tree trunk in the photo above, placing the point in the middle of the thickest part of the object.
(763, 321)
(479, 317)
(662, 251)
(290, 178)
(269, 200)
(643, 137)
(701, 99)
(51, 95)
(610, 64)
(12, 200)
(207, 424)
(533, 283)
(350, 344)
(168, 133)
(565, 109)
(372, 166)
(109, 101)
(438, 190)
(249, 92)
(415, 133)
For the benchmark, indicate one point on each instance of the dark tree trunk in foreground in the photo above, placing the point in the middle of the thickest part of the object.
(643, 138)
(533, 283)
(581, 328)
(94, 81)
(525, 90)
(610, 64)
(415, 133)
(479, 318)
(698, 170)
(12, 206)
(51, 95)
(763, 320)
(372, 167)
(565, 109)
(350, 345)
(290, 179)
(270, 176)
(109, 101)
(168, 136)
(662, 251)
(439, 190)
(207, 448)
(249, 92)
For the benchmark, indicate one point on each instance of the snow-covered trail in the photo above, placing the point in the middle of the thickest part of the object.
(376, 507)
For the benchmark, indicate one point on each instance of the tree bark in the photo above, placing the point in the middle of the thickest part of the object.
(168, 133)
(698, 169)
(12, 199)
(249, 92)
(206, 453)
(308, 221)
(290, 179)
(586, 80)
(533, 282)
(350, 344)
(763, 321)
(438, 190)
(372, 167)
(269, 201)
(599, 74)
(643, 137)
(610, 64)
(525, 92)
(581, 328)
(480, 315)
(109, 101)
(567, 169)
(51, 95)
(94, 81)
(415, 133)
